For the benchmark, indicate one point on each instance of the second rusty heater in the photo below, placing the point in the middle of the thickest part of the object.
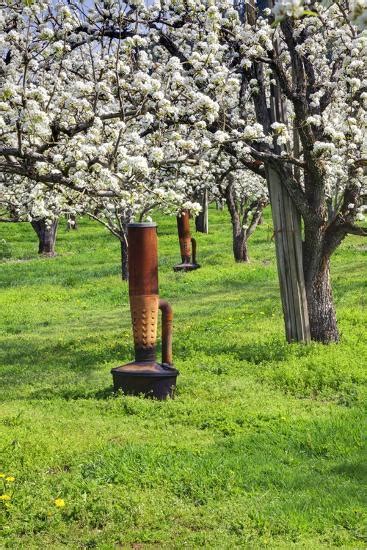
(144, 375)
(187, 244)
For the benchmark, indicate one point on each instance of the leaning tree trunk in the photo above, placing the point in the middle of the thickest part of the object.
(321, 309)
(46, 231)
(202, 219)
(124, 259)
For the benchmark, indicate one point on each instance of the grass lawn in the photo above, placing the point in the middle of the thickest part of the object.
(264, 445)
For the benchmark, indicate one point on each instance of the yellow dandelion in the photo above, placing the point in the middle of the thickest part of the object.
(2, 475)
(59, 502)
(10, 479)
(5, 497)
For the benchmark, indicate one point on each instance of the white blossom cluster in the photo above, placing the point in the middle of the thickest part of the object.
(126, 107)
(290, 8)
(332, 125)
(90, 118)
(28, 201)
(297, 8)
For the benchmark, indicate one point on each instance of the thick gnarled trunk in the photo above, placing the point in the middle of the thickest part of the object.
(321, 309)
(46, 232)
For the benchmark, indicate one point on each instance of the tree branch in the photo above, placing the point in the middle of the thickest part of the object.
(352, 229)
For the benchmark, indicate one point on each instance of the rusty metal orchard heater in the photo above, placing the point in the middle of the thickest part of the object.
(186, 243)
(145, 375)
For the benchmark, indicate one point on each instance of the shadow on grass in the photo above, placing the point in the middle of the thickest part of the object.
(354, 470)
(64, 369)
(256, 353)
(68, 366)
(348, 287)
(73, 353)
(53, 274)
(73, 394)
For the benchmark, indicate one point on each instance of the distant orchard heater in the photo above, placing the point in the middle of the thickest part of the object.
(144, 375)
(186, 242)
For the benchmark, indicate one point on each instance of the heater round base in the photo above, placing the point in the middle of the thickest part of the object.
(153, 380)
(186, 267)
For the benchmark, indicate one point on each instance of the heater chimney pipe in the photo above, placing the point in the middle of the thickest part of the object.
(167, 320)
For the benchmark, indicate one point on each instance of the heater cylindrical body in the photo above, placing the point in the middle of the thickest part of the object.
(144, 375)
(187, 244)
(184, 236)
(143, 288)
(143, 259)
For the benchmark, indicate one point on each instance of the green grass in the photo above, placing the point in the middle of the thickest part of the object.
(264, 445)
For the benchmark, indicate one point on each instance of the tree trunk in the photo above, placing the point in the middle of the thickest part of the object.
(124, 258)
(323, 323)
(239, 234)
(46, 232)
(202, 219)
(71, 223)
(321, 308)
(240, 249)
